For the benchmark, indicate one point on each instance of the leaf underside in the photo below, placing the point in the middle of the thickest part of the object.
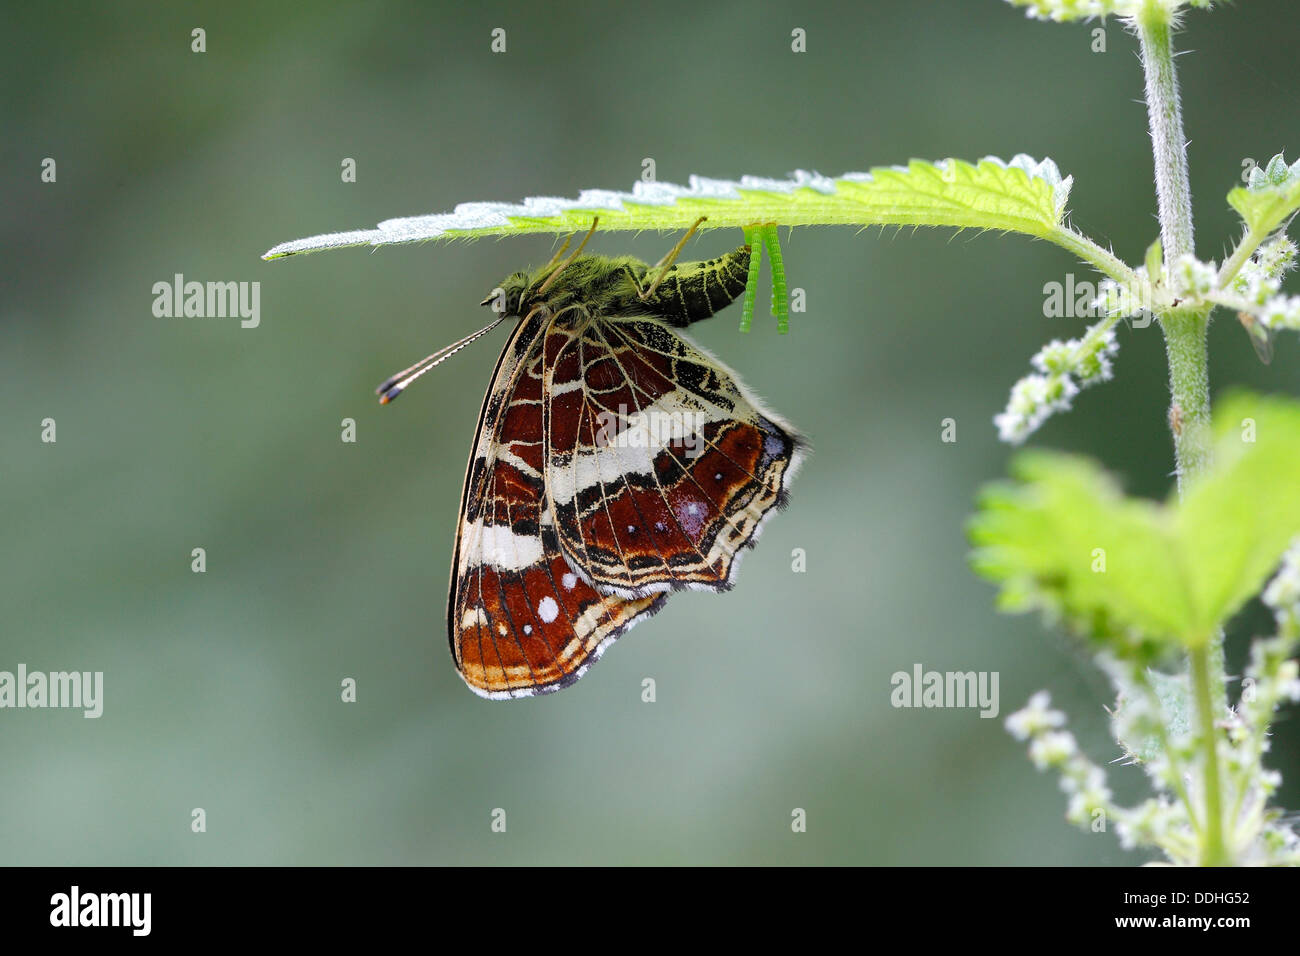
(1022, 195)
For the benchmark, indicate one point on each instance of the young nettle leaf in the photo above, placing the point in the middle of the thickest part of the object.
(1065, 540)
(1269, 198)
(1270, 195)
(1155, 261)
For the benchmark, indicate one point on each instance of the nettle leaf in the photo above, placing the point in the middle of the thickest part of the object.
(1022, 195)
(1063, 539)
(1063, 10)
(1271, 194)
(1237, 520)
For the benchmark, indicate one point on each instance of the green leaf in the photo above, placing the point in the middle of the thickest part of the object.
(1237, 520)
(1269, 197)
(1172, 572)
(1022, 195)
(1066, 541)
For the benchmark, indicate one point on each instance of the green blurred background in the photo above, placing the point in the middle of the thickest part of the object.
(328, 560)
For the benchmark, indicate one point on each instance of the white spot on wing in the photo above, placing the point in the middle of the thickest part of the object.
(474, 616)
(547, 609)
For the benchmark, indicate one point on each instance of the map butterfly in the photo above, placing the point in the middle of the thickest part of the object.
(615, 462)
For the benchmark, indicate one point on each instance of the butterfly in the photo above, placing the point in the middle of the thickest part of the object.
(614, 462)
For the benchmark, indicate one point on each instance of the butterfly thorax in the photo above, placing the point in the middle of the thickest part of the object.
(614, 286)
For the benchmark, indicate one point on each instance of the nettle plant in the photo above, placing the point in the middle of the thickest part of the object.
(1149, 586)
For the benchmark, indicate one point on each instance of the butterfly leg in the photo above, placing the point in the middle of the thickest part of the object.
(664, 264)
(546, 269)
(565, 264)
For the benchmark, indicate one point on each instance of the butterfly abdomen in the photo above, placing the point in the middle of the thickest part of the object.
(691, 291)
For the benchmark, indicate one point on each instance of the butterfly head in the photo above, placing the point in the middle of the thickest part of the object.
(511, 296)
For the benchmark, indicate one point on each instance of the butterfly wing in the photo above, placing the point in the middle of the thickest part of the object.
(519, 620)
(660, 466)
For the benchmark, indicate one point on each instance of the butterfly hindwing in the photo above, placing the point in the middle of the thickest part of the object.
(520, 621)
(660, 467)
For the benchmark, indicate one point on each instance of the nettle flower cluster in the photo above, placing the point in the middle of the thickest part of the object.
(1250, 284)
(1256, 292)
(1155, 731)
(1062, 369)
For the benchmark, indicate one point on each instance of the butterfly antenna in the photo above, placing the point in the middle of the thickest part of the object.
(567, 262)
(666, 263)
(394, 385)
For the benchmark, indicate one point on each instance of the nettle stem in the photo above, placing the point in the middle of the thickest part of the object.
(1185, 338)
(1189, 387)
(1189, 380)
(1173, 189)
(1212, 846)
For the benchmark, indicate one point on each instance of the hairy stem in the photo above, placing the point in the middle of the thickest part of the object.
(1187, 351)
(1213, 852)
(1185, 341)
(1189, 385)
(1173, 189)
